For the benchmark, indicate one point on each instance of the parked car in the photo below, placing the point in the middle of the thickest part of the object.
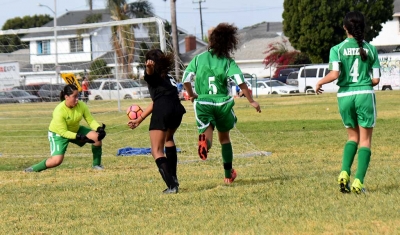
(284, 73)
(108, 89)
(249, 79)
(292, 78)
(266, 87)
(32, 89)
(51, 92)
(17, 96)
(6, 98)
(309, 76)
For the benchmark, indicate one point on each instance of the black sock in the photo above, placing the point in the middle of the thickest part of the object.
(172, 159)
(162, 165)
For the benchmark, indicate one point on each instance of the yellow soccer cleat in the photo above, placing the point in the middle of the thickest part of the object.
(344, 181)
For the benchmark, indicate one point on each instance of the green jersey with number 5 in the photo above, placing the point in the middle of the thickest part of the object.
(212, 74)
(354, 72)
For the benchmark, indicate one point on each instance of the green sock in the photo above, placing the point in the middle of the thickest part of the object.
(227, 157)
(364, 155)
(350, 150)
(41, 166)
(97, 151)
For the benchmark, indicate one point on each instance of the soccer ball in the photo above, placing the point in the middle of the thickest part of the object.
(134, 111)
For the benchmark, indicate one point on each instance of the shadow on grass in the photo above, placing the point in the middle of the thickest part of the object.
(386, 189)
(236, 183)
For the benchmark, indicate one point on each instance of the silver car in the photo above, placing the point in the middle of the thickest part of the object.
(17, 96)
(292, 78)
(113, 89)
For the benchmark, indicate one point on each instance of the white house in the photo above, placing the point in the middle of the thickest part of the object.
(77, 49)
(389, 37)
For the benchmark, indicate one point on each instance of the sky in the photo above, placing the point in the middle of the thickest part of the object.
(240, 12)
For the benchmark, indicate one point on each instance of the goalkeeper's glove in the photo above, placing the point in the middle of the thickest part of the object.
(83, 138)
(101, 131)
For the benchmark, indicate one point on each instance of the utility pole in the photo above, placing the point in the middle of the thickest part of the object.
(201, 16)
(175, 38)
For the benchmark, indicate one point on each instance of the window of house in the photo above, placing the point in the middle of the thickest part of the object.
(43, 47)
(76, 44)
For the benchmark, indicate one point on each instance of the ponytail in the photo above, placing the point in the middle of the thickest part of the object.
(68, 90)
(355, 25)
(62, 96)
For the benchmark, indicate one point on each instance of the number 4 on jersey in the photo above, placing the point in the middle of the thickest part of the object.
(354, 71)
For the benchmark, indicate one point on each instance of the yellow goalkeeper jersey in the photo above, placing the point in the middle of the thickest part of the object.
(65, 121)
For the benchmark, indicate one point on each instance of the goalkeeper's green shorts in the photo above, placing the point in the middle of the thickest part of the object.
(59, 144)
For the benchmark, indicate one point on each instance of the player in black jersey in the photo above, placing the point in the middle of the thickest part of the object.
(167, 112)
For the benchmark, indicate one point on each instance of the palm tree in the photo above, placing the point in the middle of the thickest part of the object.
(175, 37)
(90, 4)
(123, 38)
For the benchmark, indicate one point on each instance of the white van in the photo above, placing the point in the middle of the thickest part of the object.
(309, 76)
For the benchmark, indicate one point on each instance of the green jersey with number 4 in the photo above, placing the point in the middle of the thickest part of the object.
(212, 74)
(354, 72)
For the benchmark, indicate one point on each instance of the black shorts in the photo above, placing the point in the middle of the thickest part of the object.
(166, 115)
(85, 94)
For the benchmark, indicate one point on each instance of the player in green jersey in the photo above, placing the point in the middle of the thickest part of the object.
(64, 129)
(355, 64)
(212, 101)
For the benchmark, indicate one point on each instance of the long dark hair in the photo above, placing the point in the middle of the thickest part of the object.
(355, 25)
(163, 61)
(223, 40)
(68, 90)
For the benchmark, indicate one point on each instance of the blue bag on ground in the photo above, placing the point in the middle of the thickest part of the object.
(130, 151)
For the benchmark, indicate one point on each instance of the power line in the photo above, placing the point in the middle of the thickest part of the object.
(201, 17)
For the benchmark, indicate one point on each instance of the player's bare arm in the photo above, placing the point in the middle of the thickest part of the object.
(246, 93)
(330, 77)
(188, 88)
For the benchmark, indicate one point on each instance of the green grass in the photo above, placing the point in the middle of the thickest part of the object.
(293, 191)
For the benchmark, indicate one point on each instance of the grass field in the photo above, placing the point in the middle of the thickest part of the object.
(292, 191)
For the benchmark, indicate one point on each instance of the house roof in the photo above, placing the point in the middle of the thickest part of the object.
(396, 6)
(22, 56)
(253, 42)
(72, 18)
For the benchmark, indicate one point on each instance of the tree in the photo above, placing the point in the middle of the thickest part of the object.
(98, 69)
(279, 56)
(123, 38)
(313, 27)
(26, 22)
(175, 44)
(10, 43)
(90, 3)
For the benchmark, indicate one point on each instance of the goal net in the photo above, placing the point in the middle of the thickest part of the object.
(101, 50)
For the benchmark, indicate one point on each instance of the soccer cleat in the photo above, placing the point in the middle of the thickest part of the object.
(173, 190)
(357, 187)
(233, 177)
(203, 150)
(29, 169)
(176, 180)
(98, 167)
(344, 181)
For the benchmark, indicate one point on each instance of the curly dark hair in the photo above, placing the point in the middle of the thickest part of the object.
(355, 25)
(223, 40)
(163, 61)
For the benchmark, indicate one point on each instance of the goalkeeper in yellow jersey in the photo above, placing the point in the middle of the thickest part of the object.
(64, 128)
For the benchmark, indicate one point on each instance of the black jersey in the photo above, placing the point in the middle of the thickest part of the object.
(159, 87)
